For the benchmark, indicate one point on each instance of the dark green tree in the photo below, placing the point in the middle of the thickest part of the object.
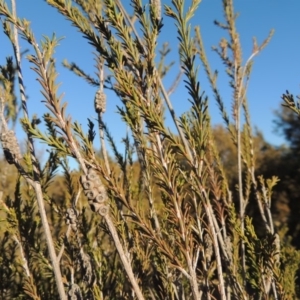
(288, 125)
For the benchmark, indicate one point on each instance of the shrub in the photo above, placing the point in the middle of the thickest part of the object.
(160, 221)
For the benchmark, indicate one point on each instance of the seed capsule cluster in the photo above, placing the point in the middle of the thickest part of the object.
(100, 102)
(10, 146)
(71, 216)
(95, 191)
(276, 244)
(156, 7)
(208, 247)
(86, 266)
(74, 292)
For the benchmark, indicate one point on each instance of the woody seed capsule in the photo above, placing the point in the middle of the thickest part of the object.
(103, 210)
(10, 146)
(100, 102)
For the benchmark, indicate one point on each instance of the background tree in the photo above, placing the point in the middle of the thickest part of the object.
(288, 124)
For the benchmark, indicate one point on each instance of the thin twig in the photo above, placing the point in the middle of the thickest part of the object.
(123, 257)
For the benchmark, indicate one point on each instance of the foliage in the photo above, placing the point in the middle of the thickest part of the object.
(174, 223)
(287, 124)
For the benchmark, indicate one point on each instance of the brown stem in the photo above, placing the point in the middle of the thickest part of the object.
(125, 262)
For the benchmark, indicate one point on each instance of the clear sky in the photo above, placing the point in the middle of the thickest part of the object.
(275, 70)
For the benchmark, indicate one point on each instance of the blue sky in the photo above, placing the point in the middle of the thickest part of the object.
(275, 70)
